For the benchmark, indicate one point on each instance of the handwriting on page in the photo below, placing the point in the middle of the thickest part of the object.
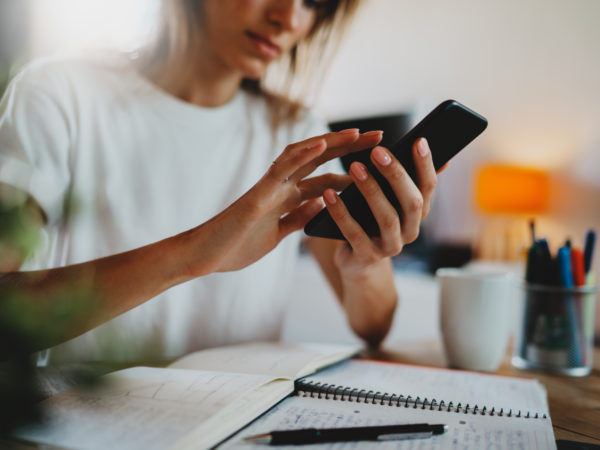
(139, 408)
(441, 384)
(466, 432)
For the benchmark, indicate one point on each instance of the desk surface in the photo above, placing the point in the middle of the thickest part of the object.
(574, 402)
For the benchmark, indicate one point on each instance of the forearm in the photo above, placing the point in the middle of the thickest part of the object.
(70, 300)
(368, 296)
(369, 299)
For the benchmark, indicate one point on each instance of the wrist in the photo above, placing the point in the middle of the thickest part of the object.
(370, 299)
(358, 275)
(193, 256)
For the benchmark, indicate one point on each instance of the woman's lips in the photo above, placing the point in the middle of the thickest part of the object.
(264, 45)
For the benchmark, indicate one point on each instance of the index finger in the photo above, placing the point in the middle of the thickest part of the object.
(297, 155)
(336, 149)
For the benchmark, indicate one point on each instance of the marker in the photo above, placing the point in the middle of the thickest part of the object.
(545, 262)
(577, 267)
(532, 268)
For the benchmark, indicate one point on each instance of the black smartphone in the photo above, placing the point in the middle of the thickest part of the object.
(448, 129)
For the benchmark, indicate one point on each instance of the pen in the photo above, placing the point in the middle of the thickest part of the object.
(564, 265)
(588, 250)
(566, 278)
(378, 433)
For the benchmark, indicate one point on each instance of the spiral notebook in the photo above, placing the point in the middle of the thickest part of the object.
(481, 410)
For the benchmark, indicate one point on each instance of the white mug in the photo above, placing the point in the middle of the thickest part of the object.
(475, 316)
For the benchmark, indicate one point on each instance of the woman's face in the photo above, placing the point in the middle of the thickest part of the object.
(246, 35)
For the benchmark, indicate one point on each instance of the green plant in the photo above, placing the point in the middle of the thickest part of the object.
(27, 321)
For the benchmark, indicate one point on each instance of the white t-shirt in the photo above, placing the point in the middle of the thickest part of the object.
(116, 164)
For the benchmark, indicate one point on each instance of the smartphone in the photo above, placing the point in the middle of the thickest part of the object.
(449, 128)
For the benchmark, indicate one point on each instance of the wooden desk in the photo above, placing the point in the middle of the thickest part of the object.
(574, 402)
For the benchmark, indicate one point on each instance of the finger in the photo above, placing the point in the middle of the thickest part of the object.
(406, 191)
(364, 141)
(299, 217)
(383, 211)
(335, 150)
(299, 154)
(426, 176)
(352, 231)
(315, 186)
(293, 157)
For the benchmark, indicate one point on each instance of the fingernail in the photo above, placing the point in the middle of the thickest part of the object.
(373, 133)
(382, 156)
(422, 147)
(330, 196)
(359, 171)
(350, 131)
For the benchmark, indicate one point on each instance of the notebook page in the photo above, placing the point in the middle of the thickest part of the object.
(441, 384)
(466, 432)
(267, 358)
(141, 407)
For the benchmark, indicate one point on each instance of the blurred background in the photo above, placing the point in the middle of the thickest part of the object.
(531, 67)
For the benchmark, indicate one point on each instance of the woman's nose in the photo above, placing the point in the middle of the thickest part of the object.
(285, 13)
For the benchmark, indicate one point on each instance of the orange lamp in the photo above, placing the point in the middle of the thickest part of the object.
(510, 189)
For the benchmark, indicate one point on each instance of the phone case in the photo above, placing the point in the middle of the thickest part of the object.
(449, 128)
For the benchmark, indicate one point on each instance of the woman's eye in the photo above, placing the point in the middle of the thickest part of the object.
(314, 4)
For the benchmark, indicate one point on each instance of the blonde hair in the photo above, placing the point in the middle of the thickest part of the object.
(289, 84)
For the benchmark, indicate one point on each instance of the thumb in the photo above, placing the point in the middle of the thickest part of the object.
(315, 186)
(299, 217)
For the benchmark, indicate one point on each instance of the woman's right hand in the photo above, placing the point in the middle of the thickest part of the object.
(282, 201)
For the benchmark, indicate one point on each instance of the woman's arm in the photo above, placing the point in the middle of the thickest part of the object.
(281, 202)
(360, 270)
(369, 298)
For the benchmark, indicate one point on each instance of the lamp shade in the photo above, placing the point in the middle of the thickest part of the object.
(510, 189)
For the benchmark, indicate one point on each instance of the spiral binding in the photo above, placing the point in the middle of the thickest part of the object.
(345, 393)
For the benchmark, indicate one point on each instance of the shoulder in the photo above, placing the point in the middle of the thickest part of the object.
(65, 77)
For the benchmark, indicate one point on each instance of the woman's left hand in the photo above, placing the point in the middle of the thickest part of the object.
(363, 251)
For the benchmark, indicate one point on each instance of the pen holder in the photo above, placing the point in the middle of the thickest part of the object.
(556, 329)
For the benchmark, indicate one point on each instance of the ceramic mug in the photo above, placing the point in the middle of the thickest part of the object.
(475, 316)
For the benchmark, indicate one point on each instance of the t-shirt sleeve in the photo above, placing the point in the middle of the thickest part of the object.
(34, 142)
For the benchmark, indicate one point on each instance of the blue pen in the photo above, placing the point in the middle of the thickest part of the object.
(566, 278)
(564, 266)
(588, 250)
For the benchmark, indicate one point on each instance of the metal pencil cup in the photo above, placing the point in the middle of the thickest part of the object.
(556, 329)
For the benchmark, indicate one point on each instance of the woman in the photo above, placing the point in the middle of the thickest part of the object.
(180, 138)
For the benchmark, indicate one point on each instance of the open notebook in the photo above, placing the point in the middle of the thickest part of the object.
(196, 402)
(482, 411)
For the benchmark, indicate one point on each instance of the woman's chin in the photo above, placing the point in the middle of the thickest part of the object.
(253, 69)
(253, 74)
